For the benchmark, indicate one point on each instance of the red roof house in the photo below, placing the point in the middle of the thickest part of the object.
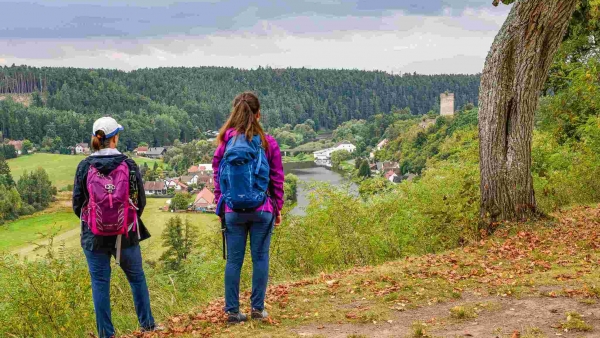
(17, 144)
(204, 200)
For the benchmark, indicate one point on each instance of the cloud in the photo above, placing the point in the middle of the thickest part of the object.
(136, 19)
(382, 35)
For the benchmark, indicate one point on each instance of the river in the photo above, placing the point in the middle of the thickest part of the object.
(310, 172)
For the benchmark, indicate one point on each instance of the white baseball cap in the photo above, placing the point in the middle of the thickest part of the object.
(108, 125)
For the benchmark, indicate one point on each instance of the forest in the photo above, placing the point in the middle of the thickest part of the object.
(159, 106)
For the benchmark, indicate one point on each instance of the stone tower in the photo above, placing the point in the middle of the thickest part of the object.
(447, 104)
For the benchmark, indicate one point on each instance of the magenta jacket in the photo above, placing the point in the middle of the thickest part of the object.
(275, 200)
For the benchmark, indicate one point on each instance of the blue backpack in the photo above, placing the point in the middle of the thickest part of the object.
(243, 174)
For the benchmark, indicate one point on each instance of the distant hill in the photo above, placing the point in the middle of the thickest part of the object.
(165, 104)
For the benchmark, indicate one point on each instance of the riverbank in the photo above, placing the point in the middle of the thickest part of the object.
(308, 173)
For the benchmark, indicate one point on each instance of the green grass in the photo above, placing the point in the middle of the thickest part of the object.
(25, 230)
(60, 168)
(575, 323)
(141, 160)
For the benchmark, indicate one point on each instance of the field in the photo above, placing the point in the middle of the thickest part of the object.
(60, 168)
(141, 160)
(18, 236)
(26, 230)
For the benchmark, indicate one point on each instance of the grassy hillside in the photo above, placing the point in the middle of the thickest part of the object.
(17, 236)
(529, 280)
(60, 168)
(29, 229)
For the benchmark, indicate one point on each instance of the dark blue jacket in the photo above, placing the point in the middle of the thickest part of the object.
(106, 164)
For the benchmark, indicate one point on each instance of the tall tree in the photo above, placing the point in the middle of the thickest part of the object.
(514, 74)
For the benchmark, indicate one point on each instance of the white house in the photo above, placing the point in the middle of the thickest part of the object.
(189, 179)
(82, 148)
(349, 147)
(323, 157)
(382, 144)
(325, 154)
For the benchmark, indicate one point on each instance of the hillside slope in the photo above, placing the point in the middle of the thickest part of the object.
(528, 280)
(157, 106)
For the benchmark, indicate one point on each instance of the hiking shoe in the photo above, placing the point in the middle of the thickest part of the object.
(259, 315)
(236, 317)
(156, 328)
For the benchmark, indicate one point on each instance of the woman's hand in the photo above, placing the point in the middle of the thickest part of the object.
(278, 220)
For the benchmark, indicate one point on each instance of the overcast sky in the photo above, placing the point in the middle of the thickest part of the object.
(423, 36)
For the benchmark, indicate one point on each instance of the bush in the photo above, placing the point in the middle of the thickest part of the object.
(36, 188)
(567, 174)
(53, 298)
(181, 201)
(339, 156)
(179, 239)
(10, 203)
(290, 187)
(26, 210)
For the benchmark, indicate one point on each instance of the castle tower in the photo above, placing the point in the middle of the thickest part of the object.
(447, 104)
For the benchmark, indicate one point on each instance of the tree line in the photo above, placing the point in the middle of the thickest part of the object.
(32, 192)
(159, 106)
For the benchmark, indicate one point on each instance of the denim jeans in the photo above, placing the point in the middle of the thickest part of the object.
(259, 225)
(131, 263)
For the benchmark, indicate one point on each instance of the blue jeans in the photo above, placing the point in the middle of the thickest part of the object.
(131, 263)
(259, 225)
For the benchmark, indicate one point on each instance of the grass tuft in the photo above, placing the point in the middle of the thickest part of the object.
(463, 312)
(575, 323)
(419, 330)
(534, 332)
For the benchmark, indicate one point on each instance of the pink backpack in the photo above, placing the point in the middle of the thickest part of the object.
(110, 211)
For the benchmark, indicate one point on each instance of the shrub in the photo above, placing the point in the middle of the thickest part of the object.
(179, 239)
(339, 156)
(26, 210)
(181, 201)
(36, 188)
(53, 298)
(567, 174)
(290, 187)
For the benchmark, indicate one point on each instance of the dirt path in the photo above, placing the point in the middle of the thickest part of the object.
(537, 316)
(31, 249)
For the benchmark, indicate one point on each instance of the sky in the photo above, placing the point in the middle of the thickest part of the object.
(396, 36)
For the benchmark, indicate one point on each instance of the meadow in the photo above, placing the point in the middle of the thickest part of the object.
(60, 168)
(26, 233)
(19, 236)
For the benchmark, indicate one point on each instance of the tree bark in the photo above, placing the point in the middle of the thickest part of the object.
(515, 71)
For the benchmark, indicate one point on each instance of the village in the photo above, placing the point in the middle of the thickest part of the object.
(198, 182)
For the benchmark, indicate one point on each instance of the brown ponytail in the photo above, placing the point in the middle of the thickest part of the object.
(243, 118)
(99, 141)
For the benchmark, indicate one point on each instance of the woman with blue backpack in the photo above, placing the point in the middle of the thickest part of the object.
(248, 176)
(109, 198)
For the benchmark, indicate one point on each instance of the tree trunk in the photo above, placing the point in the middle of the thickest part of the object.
(515, 71)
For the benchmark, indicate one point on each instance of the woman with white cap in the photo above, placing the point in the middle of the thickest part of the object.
(109, 198)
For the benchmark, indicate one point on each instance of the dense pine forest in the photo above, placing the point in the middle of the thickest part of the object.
(158, 106)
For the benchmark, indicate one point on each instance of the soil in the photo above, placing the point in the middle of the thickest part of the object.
(506, 315)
